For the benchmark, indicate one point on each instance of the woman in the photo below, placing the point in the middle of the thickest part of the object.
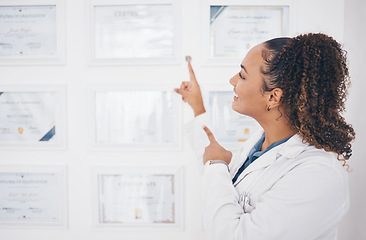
(290, 179)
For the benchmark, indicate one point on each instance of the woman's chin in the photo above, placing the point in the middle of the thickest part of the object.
(235, 108)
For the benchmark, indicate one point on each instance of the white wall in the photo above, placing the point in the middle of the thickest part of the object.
(353, 226)
(308, 15)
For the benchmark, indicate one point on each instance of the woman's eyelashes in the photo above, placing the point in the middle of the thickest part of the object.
(241, 76)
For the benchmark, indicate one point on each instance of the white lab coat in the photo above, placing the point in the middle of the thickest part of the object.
(292, 192)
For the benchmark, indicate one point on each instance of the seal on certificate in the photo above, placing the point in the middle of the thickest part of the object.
(246, 131)
(138, 213)
(20, 130)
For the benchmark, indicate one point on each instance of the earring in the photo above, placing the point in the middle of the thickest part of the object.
(268, 108)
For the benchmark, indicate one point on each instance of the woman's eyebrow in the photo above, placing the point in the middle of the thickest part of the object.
(243, 68)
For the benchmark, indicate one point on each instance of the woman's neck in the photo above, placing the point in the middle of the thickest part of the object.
(276, 131)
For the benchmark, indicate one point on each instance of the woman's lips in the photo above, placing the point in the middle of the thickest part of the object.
(235, 96)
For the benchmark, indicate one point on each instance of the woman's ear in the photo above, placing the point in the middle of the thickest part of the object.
(274, 99)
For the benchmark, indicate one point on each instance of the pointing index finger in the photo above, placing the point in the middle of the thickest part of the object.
(210, 135)
(191, 72)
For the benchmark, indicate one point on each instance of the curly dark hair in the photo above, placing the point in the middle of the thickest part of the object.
(311, 70)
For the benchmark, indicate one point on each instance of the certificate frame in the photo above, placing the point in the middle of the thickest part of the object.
(59, 173)
(175, 173)
(232, 139)
(58, 56)
(210, 59)
(175, 58)
(174, 145)
(58, 93)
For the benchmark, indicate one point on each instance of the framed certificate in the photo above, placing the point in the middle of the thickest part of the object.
(140, 197)
(32, 117)
(32, 33)
(230, 127)
(128, 119)
(132, 32)
(33, 196)
(231, 30)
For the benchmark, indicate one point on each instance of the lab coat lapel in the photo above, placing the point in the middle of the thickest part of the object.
(263, 161)
(249, 144)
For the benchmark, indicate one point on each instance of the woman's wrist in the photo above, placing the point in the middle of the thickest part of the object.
(199, 111)
(211, 162)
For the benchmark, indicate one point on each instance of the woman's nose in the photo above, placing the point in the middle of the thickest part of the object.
(233, 81)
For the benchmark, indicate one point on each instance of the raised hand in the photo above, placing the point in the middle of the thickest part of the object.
(191, 93)
(214, 151)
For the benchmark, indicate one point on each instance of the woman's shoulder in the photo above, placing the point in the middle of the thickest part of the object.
(319, 156)
(300, 154)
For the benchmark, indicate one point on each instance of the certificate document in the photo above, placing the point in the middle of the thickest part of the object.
(134, 117)
(229, 126)
(133, 31)
(28, 117)
(28, 31)
(29, 197)
(236, 29)
(136, 199)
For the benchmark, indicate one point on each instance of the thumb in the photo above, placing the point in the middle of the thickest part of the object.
(210, 135)
(179, 91)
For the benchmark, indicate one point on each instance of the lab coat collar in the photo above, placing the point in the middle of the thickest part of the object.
(290, 149)
(293, 147)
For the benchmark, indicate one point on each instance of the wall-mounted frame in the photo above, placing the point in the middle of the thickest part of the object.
(231, 129)
(138, 197)
(232, 28)
(33, 196)
(32, 117)
(134, 32)
(32, 32)
(130, 118)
